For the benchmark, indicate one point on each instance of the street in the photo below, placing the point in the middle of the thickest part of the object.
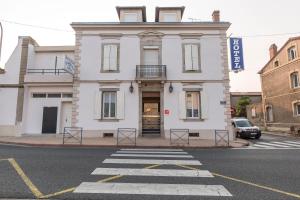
(128, 173)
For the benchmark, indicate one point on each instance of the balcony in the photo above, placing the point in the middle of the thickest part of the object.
(151, 72)
(44, 75)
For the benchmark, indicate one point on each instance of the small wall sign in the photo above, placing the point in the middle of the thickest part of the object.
(167, 112)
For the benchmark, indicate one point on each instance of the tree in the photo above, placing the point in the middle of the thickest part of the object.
(242, 103)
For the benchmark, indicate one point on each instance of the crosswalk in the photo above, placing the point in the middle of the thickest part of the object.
(275, 145)
(155, 158)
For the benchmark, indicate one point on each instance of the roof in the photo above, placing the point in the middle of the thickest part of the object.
(54, 48)
(143, 8)
(286, 43)
(157, 9)
(245, 93)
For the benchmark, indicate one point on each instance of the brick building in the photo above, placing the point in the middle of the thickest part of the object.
(281, 87)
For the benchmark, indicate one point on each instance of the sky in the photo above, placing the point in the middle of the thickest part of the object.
(259, 22)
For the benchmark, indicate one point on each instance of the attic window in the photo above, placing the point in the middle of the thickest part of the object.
(292, 53)
(169, 17)
(130, 17)
(276, 63)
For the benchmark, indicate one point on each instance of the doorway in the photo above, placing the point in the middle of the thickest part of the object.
(66, 115)
(49, 120)
(151, 120)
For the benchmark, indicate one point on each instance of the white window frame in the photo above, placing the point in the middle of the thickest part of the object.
(292, 78)
(196, 65)
(192, 103)
(171, 14)
(292, 53)
(131, 14)
(110, 68)
(295, 104)
(109, 104)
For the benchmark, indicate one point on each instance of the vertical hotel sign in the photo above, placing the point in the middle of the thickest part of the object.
(237, 59)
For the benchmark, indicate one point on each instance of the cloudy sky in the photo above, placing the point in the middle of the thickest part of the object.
(259, 22)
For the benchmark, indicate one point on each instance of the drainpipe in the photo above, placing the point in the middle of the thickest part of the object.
(1, 36)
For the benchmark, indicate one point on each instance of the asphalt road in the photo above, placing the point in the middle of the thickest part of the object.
(247, 174)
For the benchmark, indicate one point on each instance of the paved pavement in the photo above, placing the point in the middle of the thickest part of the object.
(130, 173)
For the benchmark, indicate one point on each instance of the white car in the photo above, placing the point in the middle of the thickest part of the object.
(243, 128)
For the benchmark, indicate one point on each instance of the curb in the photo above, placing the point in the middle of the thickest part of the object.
(114, 146)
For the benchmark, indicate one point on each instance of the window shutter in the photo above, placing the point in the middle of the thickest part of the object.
(106, 56)
(195, 57)
(188, 64)
(120, 105)
(113, 57)
(97, 105)
(182, 105)
(204, 102)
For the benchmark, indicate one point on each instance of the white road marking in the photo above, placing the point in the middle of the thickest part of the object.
(260, 146)
(151, 149)
(270, 148)
(152, 172)
(291, 145)
(154, 152)
(149, 155)
(292, 142)
(152, 189)
(152, 162)
(269, 144)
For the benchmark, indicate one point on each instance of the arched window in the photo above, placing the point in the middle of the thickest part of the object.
(292, 53)
(294, 79)
(296, 109)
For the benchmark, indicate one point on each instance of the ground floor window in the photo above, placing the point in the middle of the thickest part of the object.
(192, 104)
(109, 104)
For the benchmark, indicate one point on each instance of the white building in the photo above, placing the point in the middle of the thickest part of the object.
(152, 76)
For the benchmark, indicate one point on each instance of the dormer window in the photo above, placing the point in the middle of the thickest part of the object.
(170, 17)
(130, 17)
(276, 63)
(292, 53)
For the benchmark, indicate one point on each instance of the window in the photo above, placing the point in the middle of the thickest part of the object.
(294, 79)
(67, 95)
(109, 105)
(170, 17)
(192, 104)
(276, 63)
(297, 109)
(191, 57)
(39, 95)
(292, 53)
(110, 60)
(54, 95)
(130, 17)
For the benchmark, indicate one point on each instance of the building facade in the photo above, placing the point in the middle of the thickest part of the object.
(280, 86)
(152, 76)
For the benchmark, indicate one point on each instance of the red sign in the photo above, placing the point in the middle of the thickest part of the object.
(167, 112)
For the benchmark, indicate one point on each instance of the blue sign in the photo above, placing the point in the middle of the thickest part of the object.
(69, 65)
(236, 49)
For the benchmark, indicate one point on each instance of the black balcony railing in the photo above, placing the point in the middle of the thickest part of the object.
(151, 72)
(46, 71)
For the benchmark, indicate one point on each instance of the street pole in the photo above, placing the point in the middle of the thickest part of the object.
(1, 38)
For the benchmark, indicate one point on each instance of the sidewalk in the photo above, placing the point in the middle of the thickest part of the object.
(112, 142)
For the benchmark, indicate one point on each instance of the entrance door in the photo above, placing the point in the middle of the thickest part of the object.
(150, 56)
(151, 113)
(49, 120)
(66, 116)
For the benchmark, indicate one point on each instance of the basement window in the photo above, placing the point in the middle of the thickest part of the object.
(194, 134)
(108, 135)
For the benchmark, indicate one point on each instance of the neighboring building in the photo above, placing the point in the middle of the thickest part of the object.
(280, 86)
(152, 76)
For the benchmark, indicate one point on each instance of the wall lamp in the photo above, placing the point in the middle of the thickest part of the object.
(171, 87)
(131, 88)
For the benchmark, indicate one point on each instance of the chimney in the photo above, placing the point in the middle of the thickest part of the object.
(216, 16)
(273, 50)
